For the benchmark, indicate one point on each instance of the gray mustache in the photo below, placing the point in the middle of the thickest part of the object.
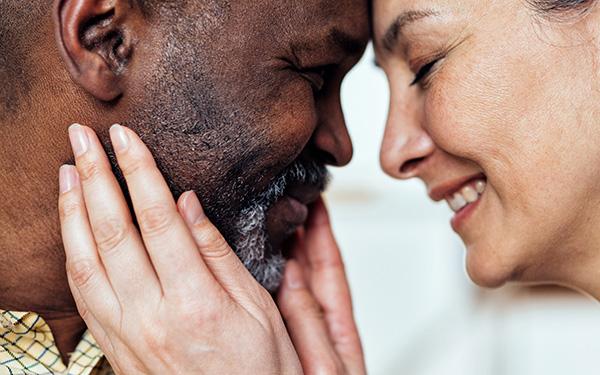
(300, 172)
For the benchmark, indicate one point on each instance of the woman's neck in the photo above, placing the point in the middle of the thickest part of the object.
(581, 255)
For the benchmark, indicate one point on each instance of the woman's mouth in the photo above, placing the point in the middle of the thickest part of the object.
(465, 200)
(467, 195)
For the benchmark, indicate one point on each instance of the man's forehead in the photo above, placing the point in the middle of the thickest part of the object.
(305, 12)
(342, 22)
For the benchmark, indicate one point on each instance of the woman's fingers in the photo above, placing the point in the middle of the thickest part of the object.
(84, 268)
(96, 301)
(306, 325)
(117, 240)
(216, 252)
(102, 337)
(329, 284)
(172, 249)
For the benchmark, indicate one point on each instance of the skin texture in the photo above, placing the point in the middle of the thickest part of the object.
(223, 111)
(235, 318)
(514, 96)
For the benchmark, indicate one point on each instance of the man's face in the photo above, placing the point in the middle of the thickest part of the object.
(240, 102)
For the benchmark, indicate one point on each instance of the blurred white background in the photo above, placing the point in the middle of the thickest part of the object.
(417, 311)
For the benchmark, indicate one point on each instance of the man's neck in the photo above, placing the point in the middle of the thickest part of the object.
(32, 264)
(67, 332)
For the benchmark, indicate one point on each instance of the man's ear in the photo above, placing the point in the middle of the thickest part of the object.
(96, 41)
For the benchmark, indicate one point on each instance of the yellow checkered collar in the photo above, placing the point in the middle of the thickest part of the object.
(27, 347)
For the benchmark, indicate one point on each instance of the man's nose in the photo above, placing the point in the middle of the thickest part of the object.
(406, 144)
(331, 139)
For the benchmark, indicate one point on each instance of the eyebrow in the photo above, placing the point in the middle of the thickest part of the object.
(394, 32)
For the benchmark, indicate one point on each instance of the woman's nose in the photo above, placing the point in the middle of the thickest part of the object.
(406, 145)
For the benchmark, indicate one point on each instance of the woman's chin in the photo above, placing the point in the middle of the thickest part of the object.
(486, 269)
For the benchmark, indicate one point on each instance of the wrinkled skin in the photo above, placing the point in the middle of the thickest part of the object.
(225, 96)
(513, 96)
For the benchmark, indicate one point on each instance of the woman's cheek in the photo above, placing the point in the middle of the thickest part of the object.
(473, 108)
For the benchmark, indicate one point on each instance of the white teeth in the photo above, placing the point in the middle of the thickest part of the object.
(468, 194)
(480, 186)
(457, 202)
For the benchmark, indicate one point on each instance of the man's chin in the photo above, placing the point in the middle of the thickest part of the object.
(268, 271)
(262, 228)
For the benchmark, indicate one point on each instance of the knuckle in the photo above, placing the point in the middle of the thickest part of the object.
(68, 208)
(217, 251)
(198, 312)
(201, 314)
(210, 240)
(89, 170)
(304, 306)
(265, 298)
(84, 313)
(155, 219)
(110, 233)
(154, 342)
(82, 272)
(344, 333)
(329, 263)
(130, 164)
(327, 367)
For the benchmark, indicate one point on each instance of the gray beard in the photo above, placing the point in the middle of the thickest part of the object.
(251, 242)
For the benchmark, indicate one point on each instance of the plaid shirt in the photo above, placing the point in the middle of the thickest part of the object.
(27, 347)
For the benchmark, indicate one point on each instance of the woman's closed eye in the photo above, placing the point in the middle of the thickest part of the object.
(424, 72)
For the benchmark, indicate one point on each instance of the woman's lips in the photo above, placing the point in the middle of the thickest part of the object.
(465, 200)
(467, 194)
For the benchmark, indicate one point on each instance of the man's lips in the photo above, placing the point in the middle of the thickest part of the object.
(290, 212)
(305, 194)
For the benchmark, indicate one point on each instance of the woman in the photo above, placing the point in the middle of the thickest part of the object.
(493, 107)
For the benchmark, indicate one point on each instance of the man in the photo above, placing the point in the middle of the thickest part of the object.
(238, 101)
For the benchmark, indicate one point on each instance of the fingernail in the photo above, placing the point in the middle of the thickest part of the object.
(79, 139)
(192, 209)
(67, 178)
(119, 137)
(293, 276)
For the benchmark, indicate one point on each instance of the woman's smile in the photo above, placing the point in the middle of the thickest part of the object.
(514, 103)
(462, 195)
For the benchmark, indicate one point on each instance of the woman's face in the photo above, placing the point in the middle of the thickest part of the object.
(503, 113)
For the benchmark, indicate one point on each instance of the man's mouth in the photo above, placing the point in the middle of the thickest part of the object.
(263, 227)
(290, 212)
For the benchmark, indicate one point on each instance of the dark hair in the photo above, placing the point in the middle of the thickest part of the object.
(558, 7)
(18, 26)
(20, 20)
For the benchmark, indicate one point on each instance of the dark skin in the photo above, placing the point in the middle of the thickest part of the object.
(246, 89)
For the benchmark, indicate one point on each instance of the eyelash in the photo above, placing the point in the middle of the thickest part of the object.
(317, 77)
(424, 72)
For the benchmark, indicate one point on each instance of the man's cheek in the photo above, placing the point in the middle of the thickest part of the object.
(295, 122)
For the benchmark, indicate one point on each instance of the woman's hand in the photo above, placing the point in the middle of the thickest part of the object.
(171, 298)
(316, 304)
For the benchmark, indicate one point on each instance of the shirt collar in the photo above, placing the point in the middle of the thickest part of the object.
(27, 346)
